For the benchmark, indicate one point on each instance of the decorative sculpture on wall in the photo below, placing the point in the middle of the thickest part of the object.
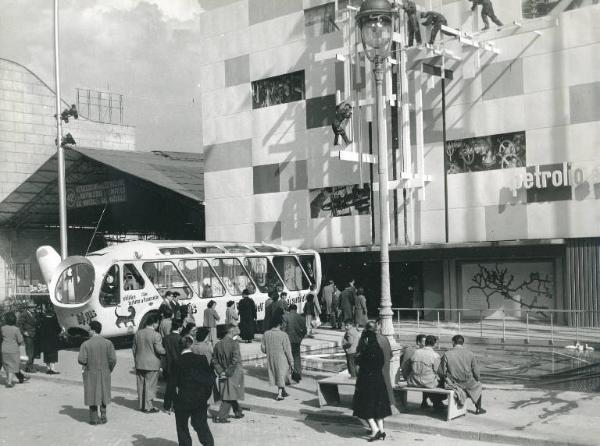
(343, 113)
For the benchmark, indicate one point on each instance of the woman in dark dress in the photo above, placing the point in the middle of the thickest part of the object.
(371, 401)
(247, 314)
(49, 341)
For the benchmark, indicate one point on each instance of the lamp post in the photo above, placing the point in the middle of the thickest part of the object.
(375, 20)
(60, 153)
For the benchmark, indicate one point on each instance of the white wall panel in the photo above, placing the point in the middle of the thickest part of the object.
(277, 148)
(281, 206)
(279, 60)
(466, 224)
(566, 143)
(227, 101)
(283, 119)
(230, 211)
(276, 32)
(228, 183)
(237, 233)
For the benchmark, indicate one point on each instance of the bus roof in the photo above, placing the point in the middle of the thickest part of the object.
(156, 248)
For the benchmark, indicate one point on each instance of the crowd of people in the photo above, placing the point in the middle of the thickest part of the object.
(196, 365)
(38, 330)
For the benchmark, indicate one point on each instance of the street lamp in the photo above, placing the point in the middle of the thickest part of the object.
(375, 20)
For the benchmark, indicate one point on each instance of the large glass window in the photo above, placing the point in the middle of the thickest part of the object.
(132, 279)
(202, 278)
(75, 284)
(165, 277)
(263, 273)
(175, 251)
(278, 90)
(232, 275)
(208, 250)
(289, 268)
(237, 248)
(110, 294)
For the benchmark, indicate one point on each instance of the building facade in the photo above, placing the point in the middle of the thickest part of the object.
(27, 141)
(499, 206)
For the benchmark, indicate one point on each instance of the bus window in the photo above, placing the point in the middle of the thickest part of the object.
(75, 284)
(208, 250)
(175, 251)
(263, 273)
(132, 279)
(232, 275)
(289, 269)
(308, 263)
(109, 291)
(237, 248)
(202, 278)
(165, 277)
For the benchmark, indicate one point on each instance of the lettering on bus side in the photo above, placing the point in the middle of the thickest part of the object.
(85, 317)
(132, 299)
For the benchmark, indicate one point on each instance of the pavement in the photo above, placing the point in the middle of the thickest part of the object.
(516, 415)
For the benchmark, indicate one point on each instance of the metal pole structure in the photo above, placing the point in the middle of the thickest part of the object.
(62, 194)
(387, 327)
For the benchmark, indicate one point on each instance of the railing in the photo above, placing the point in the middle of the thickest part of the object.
(528, 325)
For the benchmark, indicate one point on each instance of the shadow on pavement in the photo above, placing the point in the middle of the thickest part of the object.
(126, 402)
(142, 440)
(261, 393)
(77, 413)
(350, 430)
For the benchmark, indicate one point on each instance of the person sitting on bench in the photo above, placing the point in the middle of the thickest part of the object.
(424, 366)
(405, 359)
(460, 372)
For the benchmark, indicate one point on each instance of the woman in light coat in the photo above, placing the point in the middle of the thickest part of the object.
(232, 318)
(211, 317)
(276, 345)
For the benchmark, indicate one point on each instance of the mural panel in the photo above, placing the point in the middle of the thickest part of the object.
(533, 9)
(339, 201)
(278, 90)
(502, 151)
(511, 286)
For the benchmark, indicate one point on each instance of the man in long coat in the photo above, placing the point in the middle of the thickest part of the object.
(460, 372)
(194, 382)
(227, 362)
(98, 358)
(347, 302)
(147, 349)
(276, 345)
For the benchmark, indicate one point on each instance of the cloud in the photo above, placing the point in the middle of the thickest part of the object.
(146, 50)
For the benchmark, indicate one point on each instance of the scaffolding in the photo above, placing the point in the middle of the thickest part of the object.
(100, 106)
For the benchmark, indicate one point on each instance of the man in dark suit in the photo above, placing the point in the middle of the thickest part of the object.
(147, 348)
(295, 327)
(173, 347)
(195, 379)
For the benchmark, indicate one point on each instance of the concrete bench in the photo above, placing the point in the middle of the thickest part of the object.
(453, 411)
(328, 388)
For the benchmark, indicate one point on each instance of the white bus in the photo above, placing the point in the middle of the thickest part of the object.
(123, 284)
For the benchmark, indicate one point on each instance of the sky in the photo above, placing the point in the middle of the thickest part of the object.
(146, 50)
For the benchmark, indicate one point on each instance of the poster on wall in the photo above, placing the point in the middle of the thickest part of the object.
(339, 201)
(278, 90)
(502, 151)
(533, 9)
(511, 288)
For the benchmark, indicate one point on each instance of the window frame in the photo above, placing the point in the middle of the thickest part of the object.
(206, 261)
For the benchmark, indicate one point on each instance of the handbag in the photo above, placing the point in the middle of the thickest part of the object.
(316, 322)
(296, 375)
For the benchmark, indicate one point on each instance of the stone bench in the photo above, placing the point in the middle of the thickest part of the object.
(453, 411)
(328, 388)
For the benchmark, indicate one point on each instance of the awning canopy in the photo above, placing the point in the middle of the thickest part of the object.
(122, 191)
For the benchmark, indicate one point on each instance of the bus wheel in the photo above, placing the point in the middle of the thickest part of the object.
(146, 317)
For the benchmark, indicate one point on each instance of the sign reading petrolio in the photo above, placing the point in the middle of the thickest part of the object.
(560, 175)
(97, 194)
